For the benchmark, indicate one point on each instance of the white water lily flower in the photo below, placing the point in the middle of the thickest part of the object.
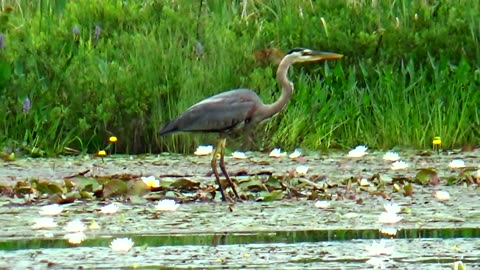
(44, 223)
(478, 174)
(388, 231)
(442, 195)
(151, 181)
(277, 152)
(302, 169)
(377, 249)
(51, 210)
(391, 156)
(204, 150)
(376, 262)
(239, 155)
(75, 226)
(166, 205)
(75, 238)
(389, 218)
(296, 154)
(121, 244)
(456, 164)
(323, 204)
(359, 151)
(109, 209)
(399, 165)
(364, 182)
(392, 208)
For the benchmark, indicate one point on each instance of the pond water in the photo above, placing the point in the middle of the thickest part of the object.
(288, 233)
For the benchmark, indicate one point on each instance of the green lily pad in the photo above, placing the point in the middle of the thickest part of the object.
(427, 176)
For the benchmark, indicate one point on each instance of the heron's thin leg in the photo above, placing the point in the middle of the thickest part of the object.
(224, 170)
(215, 171)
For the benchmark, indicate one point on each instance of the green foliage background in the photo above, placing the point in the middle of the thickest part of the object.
(95, 68)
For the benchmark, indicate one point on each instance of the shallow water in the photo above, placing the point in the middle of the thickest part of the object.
(284, 234)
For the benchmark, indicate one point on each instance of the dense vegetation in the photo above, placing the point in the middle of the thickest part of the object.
(73, 73)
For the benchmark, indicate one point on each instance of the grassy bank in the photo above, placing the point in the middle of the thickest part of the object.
(93, 68)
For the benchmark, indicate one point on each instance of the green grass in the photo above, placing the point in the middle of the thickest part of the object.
(410, 71)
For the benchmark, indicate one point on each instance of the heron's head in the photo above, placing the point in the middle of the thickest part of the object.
(300, 55)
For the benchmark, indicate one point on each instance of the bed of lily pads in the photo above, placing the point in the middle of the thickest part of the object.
(276, 223)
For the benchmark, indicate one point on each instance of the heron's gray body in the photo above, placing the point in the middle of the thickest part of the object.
(225, 112)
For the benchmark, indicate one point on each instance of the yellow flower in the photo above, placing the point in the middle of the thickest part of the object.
(113, 139)
(437, 141)
(102, 153)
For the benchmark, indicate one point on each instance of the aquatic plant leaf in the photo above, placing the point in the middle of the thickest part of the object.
(54, 188)
(408, 189)
(68, 184)
(253, 185)
(272, 196)
(86, 183)
(86, 195)
(137, 188)
(185, 184)
(427, 176)
(114, 187)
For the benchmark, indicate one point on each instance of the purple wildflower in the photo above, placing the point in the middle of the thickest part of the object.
(2, 41)
(26, 105)
(76, 30)
(97, 33)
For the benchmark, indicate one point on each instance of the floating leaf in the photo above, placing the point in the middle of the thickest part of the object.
(272, 196)
(408, 189)
(55, 189)
(185, 184)
(137, 188)
(86, 183)
(427, 176)
(114, 187)
(253, 185)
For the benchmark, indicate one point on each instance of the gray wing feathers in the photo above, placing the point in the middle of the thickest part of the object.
(218, 113)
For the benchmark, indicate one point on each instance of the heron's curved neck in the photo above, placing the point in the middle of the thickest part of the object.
(287, 88)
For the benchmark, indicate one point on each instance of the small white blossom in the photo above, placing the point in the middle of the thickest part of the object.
(166, 205)
(121, 244)
(204, 150)
(75, 226)
(109, 209)
(392, 208)
(391, 156)
(456, 164)
(239, 155)
(151, 181)
(51, 210)
(389, 218)
(296, 154)
(377, 249)
(302, 169)
(478, 174)
(364, 182)
(277, 152)
(442, 195)
(75, 238)
(44, 223)
(388, 231)
(359, 151)
(323, 204)
(376, 262)
(399, 165)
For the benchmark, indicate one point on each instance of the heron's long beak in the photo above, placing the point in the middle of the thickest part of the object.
(317, 56)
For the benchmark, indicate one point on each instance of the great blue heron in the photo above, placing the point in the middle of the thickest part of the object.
(239, 109)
